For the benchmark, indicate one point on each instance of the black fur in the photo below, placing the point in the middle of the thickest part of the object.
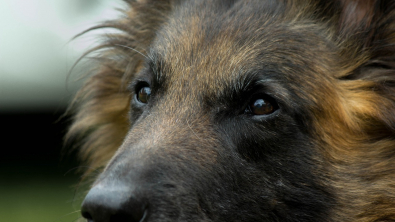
(197, 152)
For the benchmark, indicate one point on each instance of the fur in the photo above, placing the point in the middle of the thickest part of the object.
(193, 152)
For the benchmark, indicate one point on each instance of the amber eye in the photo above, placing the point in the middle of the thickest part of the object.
(261, 106)
(144, 94)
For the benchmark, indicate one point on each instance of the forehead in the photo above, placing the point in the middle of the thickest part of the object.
(218, 45)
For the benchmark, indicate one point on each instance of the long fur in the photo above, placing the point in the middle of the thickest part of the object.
(351, 110)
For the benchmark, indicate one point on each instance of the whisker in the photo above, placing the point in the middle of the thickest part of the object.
(79, 167)
(68, 214)
(133, 50)
(192, 130)
(79, 218)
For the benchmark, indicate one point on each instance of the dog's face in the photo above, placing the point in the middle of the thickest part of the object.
(237, 113)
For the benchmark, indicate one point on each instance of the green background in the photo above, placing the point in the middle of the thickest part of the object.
(39, 178)
(39, 194)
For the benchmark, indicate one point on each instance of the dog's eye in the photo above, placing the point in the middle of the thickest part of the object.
(261, 106)
(143, 94)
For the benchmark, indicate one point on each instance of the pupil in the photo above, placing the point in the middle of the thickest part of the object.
(262, 107)
(144, 94)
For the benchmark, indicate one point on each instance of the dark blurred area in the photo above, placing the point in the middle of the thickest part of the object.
(34, 137)
(39, 177)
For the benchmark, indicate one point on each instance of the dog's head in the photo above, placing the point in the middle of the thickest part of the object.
(243, 111)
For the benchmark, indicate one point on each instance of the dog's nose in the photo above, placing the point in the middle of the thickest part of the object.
(106, 203)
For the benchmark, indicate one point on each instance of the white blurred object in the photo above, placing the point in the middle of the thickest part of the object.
(36, 54)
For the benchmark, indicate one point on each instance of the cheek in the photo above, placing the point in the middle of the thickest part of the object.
(261, 139)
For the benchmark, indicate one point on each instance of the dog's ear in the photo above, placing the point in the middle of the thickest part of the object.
(366, 39)
(100, 110)
(368, 25)
(357, 15)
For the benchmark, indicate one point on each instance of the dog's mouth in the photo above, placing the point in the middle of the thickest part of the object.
(144, 216)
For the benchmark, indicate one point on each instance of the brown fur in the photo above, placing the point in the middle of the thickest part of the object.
(348, 80)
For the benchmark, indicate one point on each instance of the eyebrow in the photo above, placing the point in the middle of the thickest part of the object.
(151, 72)
(155, 64)
(254, 77)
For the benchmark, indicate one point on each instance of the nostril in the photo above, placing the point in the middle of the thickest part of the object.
(103, 204)
(135, 216)
(87, 216)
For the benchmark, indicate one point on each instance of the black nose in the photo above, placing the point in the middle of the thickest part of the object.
(106, 203)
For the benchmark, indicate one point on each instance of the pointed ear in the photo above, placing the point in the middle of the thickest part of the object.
(366, 35)
(370, 24)
(356, 15)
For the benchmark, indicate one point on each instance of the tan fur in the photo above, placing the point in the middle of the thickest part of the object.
(352, 118)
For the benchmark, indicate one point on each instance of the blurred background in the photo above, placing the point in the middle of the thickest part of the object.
(39, 179)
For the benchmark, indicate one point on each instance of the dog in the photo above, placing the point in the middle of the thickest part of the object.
(241, 110)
